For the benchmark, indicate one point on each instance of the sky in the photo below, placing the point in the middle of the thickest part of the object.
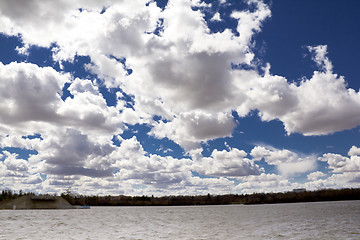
(179, 97)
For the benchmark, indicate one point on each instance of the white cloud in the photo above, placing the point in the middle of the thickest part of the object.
(317, 106)
(224, 163)
(320, 57)
(183, 74)
(315, 175)
(196, 78)
(272, 95)
(341, 164)
(15, 165)
(29, 94)
(216, 17)
(335, 181)
(81, 86)
(133, 163)
(187, 68)
(18, 141)
(263, 183)
(326, 106)
(90, 113)
(68, 152)
(108, 69)
(288, 163)
(250, 22)
(32, 102)
(189, 129)
(354, 151)
(346, 171)
(130, 116)
(15, 173)
(294, 168)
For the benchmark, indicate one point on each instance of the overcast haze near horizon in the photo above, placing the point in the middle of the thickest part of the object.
(180, 97)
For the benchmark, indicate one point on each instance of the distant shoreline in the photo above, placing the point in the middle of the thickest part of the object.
(247, 199)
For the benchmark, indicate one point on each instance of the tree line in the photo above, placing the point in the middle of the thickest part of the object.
(8, 194)
(255, 198)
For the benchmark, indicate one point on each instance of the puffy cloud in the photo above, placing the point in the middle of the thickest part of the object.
(79, 24)
(250, 22)
(19, 141)
(32, 102)
(90, 113)
(14, 165)
(288, 163)
(189, 129)
(216, 17)
(202, 186)
(132, 162)
(320, 57)
(16, 173)
(316, 175)
(317, 106)
(80, 86)
(68, 152)
(341, 164)
(187, 67)
(273, 156)
(224, 163)
(30, 94)
(272, 95)
(294, 168)
(343, 180)
(181, 72)
(108, 69)
(346, 171)
(130, 116)
(354, 151)
(325, 106)
(263, 183)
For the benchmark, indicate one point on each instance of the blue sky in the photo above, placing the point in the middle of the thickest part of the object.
(179, 97)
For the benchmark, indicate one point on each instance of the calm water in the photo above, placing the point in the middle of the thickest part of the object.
(322, 220)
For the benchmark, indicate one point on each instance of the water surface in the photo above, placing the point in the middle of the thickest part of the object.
(320, 220)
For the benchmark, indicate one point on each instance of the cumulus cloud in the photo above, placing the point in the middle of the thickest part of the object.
(337, 180)
(320, 57)
(315, 175)
(29, 93)
(171, 66)
(224, 163)
(189, 129)
(132, 163)
(216, 17)
(32, 102)
(68, 152)
(354, 151)
(317, 106)
(15, 165)
(345, 171)
(187, 68)
(250, 22)
(341, 164)
(263, 183)
(16, 173)
(287, 162)
(19, 141)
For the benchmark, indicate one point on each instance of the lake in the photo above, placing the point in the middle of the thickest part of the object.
(319, 220)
